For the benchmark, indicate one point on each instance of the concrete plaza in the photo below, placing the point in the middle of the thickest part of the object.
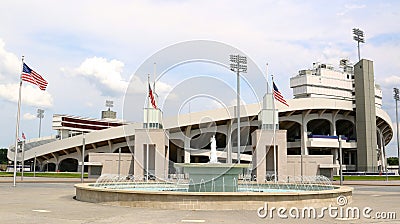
(45, 202)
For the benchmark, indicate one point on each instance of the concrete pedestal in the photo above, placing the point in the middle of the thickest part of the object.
(212, 177)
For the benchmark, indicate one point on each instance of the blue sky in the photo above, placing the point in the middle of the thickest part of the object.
(89, 50)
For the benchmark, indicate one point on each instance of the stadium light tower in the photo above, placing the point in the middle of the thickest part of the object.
(109, 104)
(238, 65)
(359, 37)
(40, 115)
(396, 99)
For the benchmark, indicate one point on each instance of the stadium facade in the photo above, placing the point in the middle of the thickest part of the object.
(327, 103)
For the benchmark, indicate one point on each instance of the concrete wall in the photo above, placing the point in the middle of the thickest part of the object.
(310, 164)
(110, 163)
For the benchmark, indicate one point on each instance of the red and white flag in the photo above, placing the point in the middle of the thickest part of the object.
(278, 96)
(151, 96)
(31, 76)
(23, 136)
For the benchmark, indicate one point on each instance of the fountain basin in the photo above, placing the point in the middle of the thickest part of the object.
(210, 200)
(212, 177)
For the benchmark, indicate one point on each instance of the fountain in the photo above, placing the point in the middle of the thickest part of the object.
(212, 186)
(213, 176)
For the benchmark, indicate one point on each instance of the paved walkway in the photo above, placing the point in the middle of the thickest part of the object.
(92, 180)
(44, 202)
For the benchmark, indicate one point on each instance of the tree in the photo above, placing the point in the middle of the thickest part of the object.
(393, 161)
(3, 156)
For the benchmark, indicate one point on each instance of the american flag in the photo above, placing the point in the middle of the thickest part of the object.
(23, 136)
(153, 102)
(278, 96)
(31, 76)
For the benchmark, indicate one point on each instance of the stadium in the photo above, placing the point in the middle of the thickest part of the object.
(327, 103)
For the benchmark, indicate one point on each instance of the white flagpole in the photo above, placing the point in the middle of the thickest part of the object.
(17, 126)
(266, 76)
(155, 76)
(274, 128)
(147, 126)
(23, 160)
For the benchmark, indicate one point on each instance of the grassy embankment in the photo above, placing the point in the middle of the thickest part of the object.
(45, 174)
(367, 178)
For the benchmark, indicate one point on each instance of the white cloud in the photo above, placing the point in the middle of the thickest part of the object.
(354, 6)
(350, 7)
(163, 88)
(30, 95)
(391, 80)
(9, 63)
(289, 35)
(28, 116)
(136, 85)
(106, 75)
(233, 102)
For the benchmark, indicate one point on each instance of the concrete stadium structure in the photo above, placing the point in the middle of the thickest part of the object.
(327, 103)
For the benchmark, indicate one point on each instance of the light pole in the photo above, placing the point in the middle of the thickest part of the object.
(83, 157)
(239, 64)
(40, 115)
(119, 162)
(340, 159)
(359, 37)
(396, 99)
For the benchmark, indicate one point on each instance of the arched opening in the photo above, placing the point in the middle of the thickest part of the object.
(293, 134)
(346, 128)
(49, 167)
(68, 165)
(319, 127)
(86, 159)
(202, 141)
(176, 153)
(293, 129)
(245, 135)
(124, 149)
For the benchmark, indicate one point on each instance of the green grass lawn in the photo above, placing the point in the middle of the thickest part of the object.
(45, 174)
(366, 178)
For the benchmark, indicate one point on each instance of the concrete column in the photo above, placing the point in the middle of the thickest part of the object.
(335, 161)
(64, 134)
(139, 161)
(229, 142)
(304, 136)
(333, 128)
(166, 161)
(382, 151)
(55, 160)
(334, 122)
(178, 155)
(350, 158)
(110, 145)
(366, 116)
(187, 144)
(79, 157)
